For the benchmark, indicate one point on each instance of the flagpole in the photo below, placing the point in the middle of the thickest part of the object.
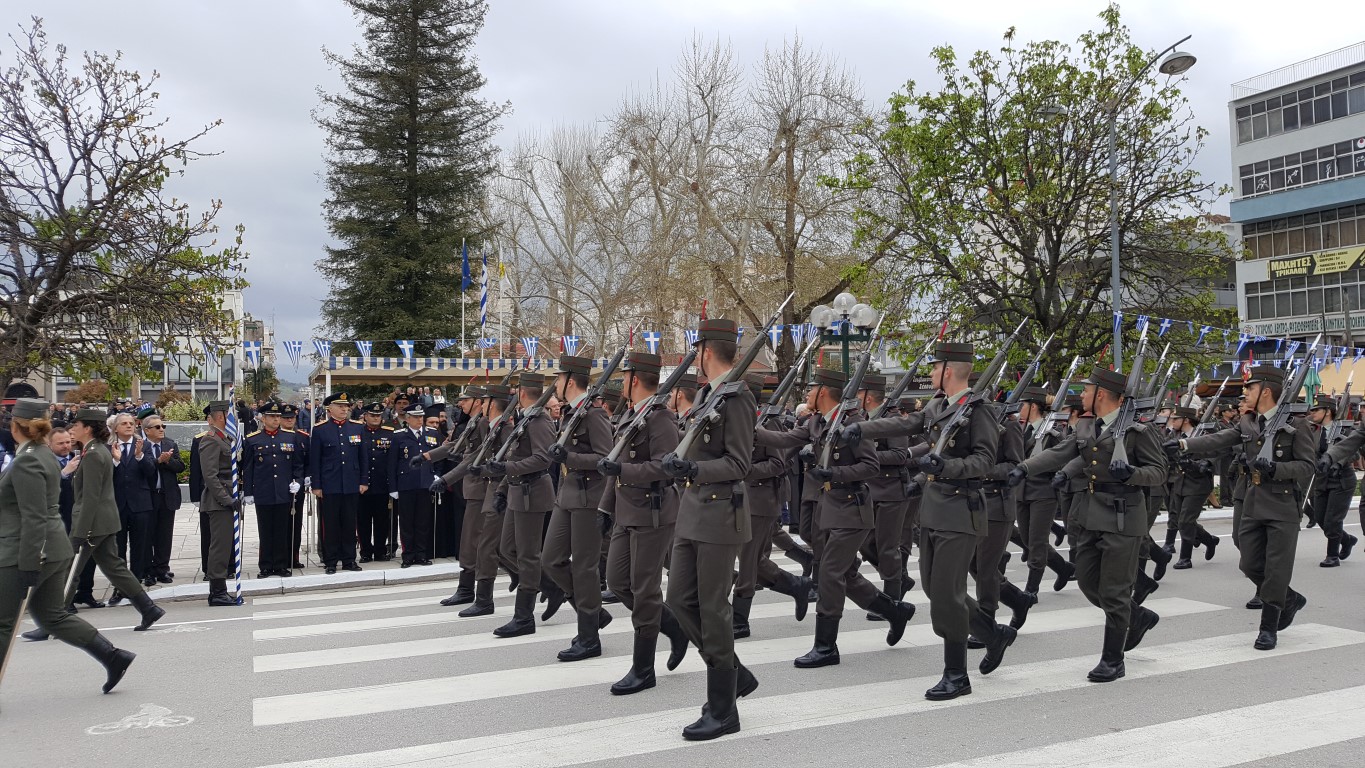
(464, 341)
(235, 435)
(502, 310)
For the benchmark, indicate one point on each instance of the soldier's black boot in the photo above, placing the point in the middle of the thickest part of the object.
(641, 674)
(1254, 604)
(36, 635)
(892, 589)
(806, 559)
(1161, 558)
(483, 599)
(1018, 601)
(997, 637)
(1110, 667)
(825, 652)
(897, 613)
(552, 596)
(907, 581)
(150, 611)
(1140, 620)
(1333, 558)
(86, 600)
(1143, 587)
(1058, 533)
(115, 660)
(464, 593)
(1169, 546)
(587, 644)
(1348, 543)
(739, 621)
(1035, 580)
(795, 587)
(523, 617)
(1065, 570)
(1186, 552)
(720, 716)
(1209, 541)
(1293, 603)
(745, 682)
(677, 639)
(513, 581)
(1266, 639)
(218, 594)
(955, 681)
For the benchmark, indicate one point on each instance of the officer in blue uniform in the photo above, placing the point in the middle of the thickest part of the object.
(374, 517)
(410, 483)
(339, 466)
(272, 472)
(303, 433)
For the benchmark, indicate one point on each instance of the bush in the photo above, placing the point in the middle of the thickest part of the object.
(94, 391)
(171, 395)
(184, 476)
(184, 410)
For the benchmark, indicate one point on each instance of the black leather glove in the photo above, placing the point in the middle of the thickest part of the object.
(806, 454)
(930, 463)
(679, 468)
(1121, 470)
(457, 458)
(558, 453)
(499, 502)
(1204, 467)
(416, 461)
(1059, 481)
(1016, 477)
(1171, 447)
(1264, 466)
(608, 467)
(494, 469)
(604, 522)
(822, 474)
(913, 487)
(438, 486)
(28, 580)
(849, 435)
(476, 470)
(1325, 464)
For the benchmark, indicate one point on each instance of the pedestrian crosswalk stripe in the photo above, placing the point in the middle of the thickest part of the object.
(778, 715)
(390, 697)
(1218, 739)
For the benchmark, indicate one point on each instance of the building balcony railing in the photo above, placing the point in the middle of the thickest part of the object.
(1303, 70)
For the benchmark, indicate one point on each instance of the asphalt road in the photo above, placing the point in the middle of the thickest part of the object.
(386, 677)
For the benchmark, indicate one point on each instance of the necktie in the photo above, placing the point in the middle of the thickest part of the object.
(156, 454)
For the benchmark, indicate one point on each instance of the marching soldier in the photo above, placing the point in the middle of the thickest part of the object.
(682, 397)
(889, 499)
(215, 467)
(573, 542)
(1269, 529)
(1037, 499)
(713, 523)
(1332, 489)
(339, 466)
(1192, 486)
(1109, 514)
(374, 518)
(289, 420)
(645, 505)
(471, 401)
(953, 514)
(272, 468)
(1001, 513)
(410, 484)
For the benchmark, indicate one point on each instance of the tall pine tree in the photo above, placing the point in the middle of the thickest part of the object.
(410, 153)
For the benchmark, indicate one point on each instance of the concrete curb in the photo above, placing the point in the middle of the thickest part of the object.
(320, 582)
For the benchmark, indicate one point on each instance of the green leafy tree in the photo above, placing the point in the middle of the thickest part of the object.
(95, 251)
(410, 154)
(991, 196)
(259, 383)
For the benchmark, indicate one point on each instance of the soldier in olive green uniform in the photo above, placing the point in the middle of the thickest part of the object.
(1269, 528)
(1333, 488)
(1110, 513)
(889, 498)
(1191, 488)
(471, 401)
(215, 466)
(992, 587)
(953, 513)
(1037, 499)
(35, 553)
(713, 523)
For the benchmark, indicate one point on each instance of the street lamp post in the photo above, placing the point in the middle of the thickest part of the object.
(837, 324)
(1174, 64)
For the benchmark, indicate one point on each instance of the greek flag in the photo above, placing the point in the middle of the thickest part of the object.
(148, 347)
(691, 334)
(1163, 327)
(652, 340)
(1203, 331)
(1142, 322)
(323, 347)
(405, 346)
(739, 334)
(571, 344)
(1242, 342)
(483, 296)
(1293, 347)
(210, 350)
(365, 347)
(531, 343)
(252, 350)
(798, 334)
(775, 336)
(444, 344)
(1118, 320)
(293, 349)
(487, 343)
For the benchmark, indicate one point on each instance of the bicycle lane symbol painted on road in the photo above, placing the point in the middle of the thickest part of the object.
(148, 716)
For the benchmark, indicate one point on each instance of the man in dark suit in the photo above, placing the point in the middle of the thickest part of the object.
(134, 475)
(165, 489)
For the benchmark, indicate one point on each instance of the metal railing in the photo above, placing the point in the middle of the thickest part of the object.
(1303, 70)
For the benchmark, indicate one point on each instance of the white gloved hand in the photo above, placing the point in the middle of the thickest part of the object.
(294, 486)
(251, 500)
(308, 483)
(393, 494)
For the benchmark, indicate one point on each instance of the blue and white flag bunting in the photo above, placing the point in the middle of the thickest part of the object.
(1163, 327)
(365, 347)
(210, 349)
(406, 346)
(798, 332)
(571, 344)
(652, 341)
(1293, 347)
(323, 347)
(531, 343)
(1203, 331)
(252, 351)
(487, 343)
(775, 335)
(1142, 321)
(739, 335)
(1118, 320)
(293, 349)
(148, 347)
(691, 334)
(444, 344)
(1242, 341)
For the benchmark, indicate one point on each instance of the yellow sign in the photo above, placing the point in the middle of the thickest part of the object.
(1324, 263)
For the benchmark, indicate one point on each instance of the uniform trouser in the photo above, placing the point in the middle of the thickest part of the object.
(471, 527)
(274, 526)
(488, 550)
(163, 535)
(573, 548)
(985, 565)
(220, 563)
(298, 526)
(522, 539)
(46, 605)
(414, 522)
(135, 540)
(337, 513)
(103, 551)
(635, 570)
(781, 538)
(699, 581)
(1035, 520)
(1185, 510)
(911, 524)
(944, 559)
(1106, 566)
(1237, 522)
(752, 553)
(85, 581)
(372, 524)
(1330, 506)
(884, 545)
(807, 525)
(839, 576)
(1268, 548)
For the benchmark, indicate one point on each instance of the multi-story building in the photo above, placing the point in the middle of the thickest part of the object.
(1298, 161)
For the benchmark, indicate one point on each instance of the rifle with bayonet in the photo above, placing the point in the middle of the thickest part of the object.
(656, 401)
(1059, 400)
(557, 450)
(964, 409)
(1011, 405)
(472, 425)
(906, 380)
(1158, 384)
(773, 408)
(1206, 421)
(1123, 422)
(1340, 421)
(493, 426)
(1280, 421)
(849, 402)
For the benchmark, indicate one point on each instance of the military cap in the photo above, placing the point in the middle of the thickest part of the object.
(272, 409)
(1185, 412)
(573, 364)
(1267, 374)
(830, 377)
(99, 414)
(376, 408)
(755, 383)
(874, 382)
(612, 391)
(218, 406)
(416, 409)
(1036, 395)
(404, 396)
(435, 409)
(643, 362)
(718, 329)
(1104, 378)
(687, 381)
(340, 398)
(289, 411)
(954, 352)
(30, 408)
(1325, 402)
(145, 411)
(1227, 405)
(531, 379)
(472, 392)
(499, 391)
(1072, 400)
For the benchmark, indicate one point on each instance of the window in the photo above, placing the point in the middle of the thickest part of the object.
(1319, 103)
(1300, 303)
(1297, 169)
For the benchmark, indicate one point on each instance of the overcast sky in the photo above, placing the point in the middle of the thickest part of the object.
(257, 66)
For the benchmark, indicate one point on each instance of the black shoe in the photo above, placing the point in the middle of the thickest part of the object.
(149, 581)
(610, 598)
(222, 599)
(285, 573)
(825, 652)
(1271, 619)
(116, 598)
(587, 645)
(739, 622)
(483, 599)
(1183, 564)
(150, 611)
(745, 682)
(973, 644)
(382, 558)
(553, 596)
(1348, 543)
(114, 660)
(641, 674)
(35, 635)
(1018, 601)
(1110, 667)
(1064, 577)
(263, 574)
(720, 716)
(1210, 544)
(406, 564)
(165, 578)
(1143, 620)
(1168, 549)
(523, 617)
(464, 593)
(298, 566)
(897, 613)
(1143, 588)
(1330, 562)
(331, 569)
(87, 601)
(995, 649)
(514, 582)
(677, 639)
(351, 566)
(1293, 603)
(366, 558)
(1254, 604)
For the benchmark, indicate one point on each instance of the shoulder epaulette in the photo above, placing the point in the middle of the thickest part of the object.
(319, 422)
(387, 427)
(286, 429)
(253, 434)
(355, 421)
(201, 434)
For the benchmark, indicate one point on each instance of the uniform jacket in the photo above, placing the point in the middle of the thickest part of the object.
(472, 487)
(270, 462)
(527, 483)
(642, 494)
(134, 479)
(31, 529)
(337, 460)
(581, 485)
(714, 506)
(169, 473)
(403, 477)
(94, 511)
(766, 483)
(1000, 501)
(1344, 479)
(378, 444)
(215, 466)
(893, 458)
(1191, 477)
(1039, 487)
(1296, 453)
